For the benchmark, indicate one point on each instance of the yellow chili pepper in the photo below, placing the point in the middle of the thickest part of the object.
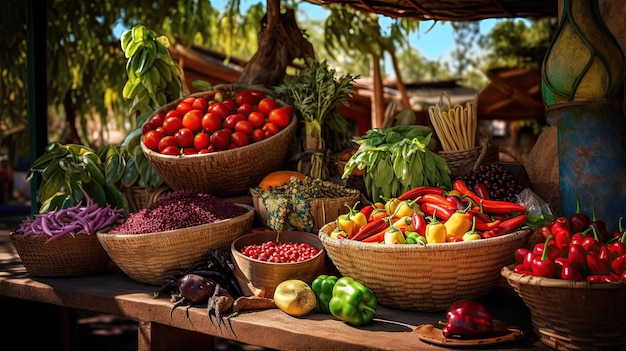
(394, 235)
(338, 233)
(472, 234)
(345, 224)
(392, 204)
(436, 232)
(458, 224)
(405, 222)
(406, 208)
(352, 221)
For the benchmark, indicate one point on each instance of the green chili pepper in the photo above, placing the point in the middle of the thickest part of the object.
(352, 302)
(323, 288)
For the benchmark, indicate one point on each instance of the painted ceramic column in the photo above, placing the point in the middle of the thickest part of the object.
(582, 79)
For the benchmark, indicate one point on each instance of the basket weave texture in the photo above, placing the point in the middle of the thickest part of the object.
(569, 315)
(228, 172)
(139, 198)
(146, 257)
(67, 256)
(463, 161)
(425, 278)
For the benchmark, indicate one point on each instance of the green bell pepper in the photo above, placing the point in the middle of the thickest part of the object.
(353, 302)
(323, 288)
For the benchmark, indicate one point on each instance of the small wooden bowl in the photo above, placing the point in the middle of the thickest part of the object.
(260, 278)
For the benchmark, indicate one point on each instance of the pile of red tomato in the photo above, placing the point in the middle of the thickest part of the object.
(198, 125)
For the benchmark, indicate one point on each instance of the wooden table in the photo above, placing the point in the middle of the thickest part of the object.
(114, 293)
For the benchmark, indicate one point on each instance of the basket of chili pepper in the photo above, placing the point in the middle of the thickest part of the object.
(424, 277)
(573, 315)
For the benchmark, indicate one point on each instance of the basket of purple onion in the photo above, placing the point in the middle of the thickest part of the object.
(63, 242)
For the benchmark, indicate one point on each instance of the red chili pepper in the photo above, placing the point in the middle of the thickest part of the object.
(619, 264)
(370, 229)
(599, 224)
(551, 249)
(442, 212)
(367, 210)
(528, 261)
(455, 202)
(601, 278)
(467, 319)
(562, 235)
(378, 213)
(419, 223)
(595, 264)
(436, 199)
(578, 221)
(376, 238)
(521, 269)
(520, 254)
(567, 271)
(488, 226)
(576, 254)
(420, 191)
(489, 206)
(481, 190)
(542, 266)
(618, 247)
(506, 226)
(480, 216)
(546, 230)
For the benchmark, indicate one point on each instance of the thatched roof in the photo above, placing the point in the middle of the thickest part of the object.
(452, 10)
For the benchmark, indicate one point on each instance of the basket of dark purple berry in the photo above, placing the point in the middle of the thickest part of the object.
(174, 232)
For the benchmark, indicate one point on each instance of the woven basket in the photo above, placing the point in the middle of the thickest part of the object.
(463, 161)
(67, 256)
(139, 198)
(424, 277)
(228, 172)
(322, 210)
(146, 257)
(569, 315)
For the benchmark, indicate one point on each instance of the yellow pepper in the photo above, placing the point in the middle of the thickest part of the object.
(436, 232)
(458, 224)
(404, 222)
(472, 234)
(394, 235)
(346, 225)
(352, 221)
(338, 233)
(392, 204)
(406, 208)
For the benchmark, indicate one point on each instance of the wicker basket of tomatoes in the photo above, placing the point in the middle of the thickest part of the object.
(221, 141)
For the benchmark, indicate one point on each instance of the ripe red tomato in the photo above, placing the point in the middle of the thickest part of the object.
(171, 125)
(211, 121)
(240, 139)
(151, 139)
(201, 141)
(171, 113)
(193, 120)
(244, 109)
(147, 127)
(183, 107)
(200, 104)
(171, 150)
(245, 97)
(231, 120)
(244, 126)
(219, 108)
(289, 109)
(166, 141)
(184, 137)
(257, 95)
(266, 105)
(220, 139)
(157, 119)
(258, 134)
(257, 119)
(231, 104)
(190, 151)
(279, 117)
(188, 100)
(270, 129)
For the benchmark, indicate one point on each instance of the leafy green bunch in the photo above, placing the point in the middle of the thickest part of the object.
(316, 92)
(397, 159)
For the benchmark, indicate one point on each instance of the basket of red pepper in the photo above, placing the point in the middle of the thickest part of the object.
(574, 283)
